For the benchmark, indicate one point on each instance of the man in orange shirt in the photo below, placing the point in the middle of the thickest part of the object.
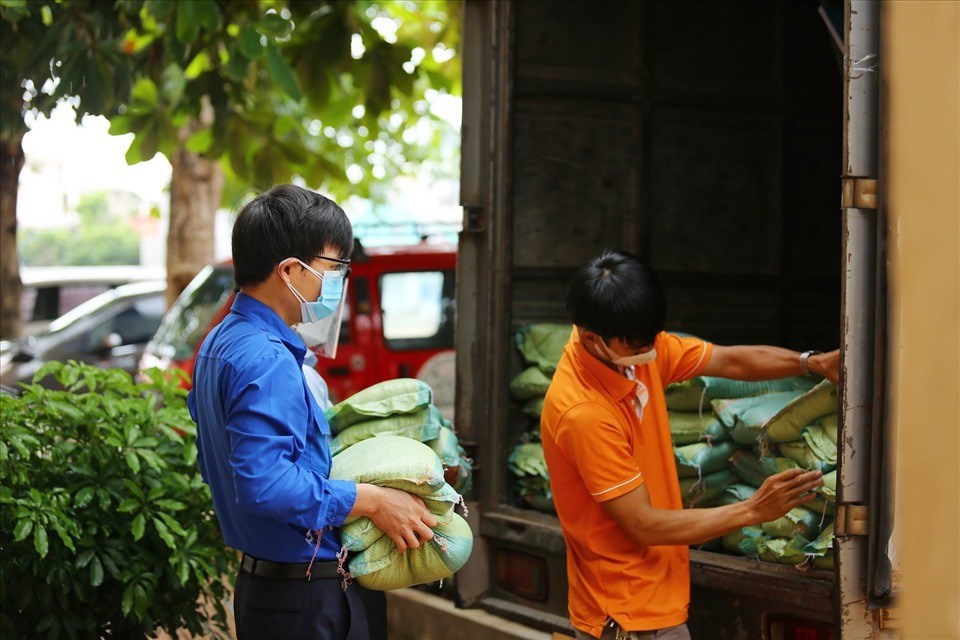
(606, 440)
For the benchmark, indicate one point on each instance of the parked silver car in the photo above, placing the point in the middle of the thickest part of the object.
(109, 330)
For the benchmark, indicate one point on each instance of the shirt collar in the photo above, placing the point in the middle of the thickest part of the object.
(270, 321)
(615, 384)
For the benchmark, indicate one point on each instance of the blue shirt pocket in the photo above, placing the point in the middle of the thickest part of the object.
(321, 422)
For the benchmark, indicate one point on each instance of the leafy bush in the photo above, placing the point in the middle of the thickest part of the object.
(106, 527)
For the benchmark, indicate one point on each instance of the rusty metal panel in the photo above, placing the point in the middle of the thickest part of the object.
(712, 187)
(714, 51)
(569, 46)
(574, 180)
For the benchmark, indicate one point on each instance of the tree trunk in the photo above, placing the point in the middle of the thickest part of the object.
(196, 188)
(11, 162)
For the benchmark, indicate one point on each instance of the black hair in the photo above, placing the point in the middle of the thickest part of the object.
(286, 222)
(617, 295)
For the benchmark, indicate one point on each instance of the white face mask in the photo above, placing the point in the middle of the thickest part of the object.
(626, 361)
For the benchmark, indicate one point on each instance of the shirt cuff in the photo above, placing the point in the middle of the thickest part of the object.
(343, 495)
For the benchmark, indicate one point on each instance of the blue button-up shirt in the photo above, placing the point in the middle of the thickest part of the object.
(262, 441)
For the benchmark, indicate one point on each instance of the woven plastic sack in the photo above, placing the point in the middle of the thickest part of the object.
(391, 461)
(527, 459)
(700, 458)
(396, 462)
(529, 383)
(463, 474)
(536, 493)
(422, 425)
(733, 541)
(687, 427)
(822, 545)
(747, 417)
(821, 444)
(788, 423)
(447, 446)
(697, 393)
(801, 453)
(700, 492)
(382, 568)
(830, 424)
(829, 487)
(797, 521)
(534, 407)
(402, 395)
(360, 533)
(541, 344)
(689, 395)
(734, 493)
(747, 466)
(779, 550)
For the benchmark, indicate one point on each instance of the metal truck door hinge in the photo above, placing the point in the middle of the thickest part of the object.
(859, 193)
(888, 619)
(851, 520)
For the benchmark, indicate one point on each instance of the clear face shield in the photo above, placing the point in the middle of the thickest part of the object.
(323, 335)
(319, 327)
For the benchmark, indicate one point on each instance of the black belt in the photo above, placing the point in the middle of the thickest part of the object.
(289, 570)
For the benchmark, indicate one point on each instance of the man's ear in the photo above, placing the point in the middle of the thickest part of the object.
(284, 268)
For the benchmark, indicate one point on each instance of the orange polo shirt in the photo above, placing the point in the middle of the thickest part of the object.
(598, 449)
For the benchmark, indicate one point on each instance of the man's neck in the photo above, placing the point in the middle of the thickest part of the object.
(269, 294)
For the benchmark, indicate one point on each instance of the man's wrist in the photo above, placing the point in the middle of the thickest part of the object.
(805, 362)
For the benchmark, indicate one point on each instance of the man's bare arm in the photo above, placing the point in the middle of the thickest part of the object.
(648, 526)
(763, 362)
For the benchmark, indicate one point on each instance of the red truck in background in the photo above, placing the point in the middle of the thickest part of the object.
(398, 321)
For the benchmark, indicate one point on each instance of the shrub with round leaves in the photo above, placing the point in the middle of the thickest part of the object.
(106, 527)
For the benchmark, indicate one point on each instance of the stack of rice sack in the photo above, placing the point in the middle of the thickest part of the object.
(749, 431)
(391, 435)
(540, 346)
(401, 407)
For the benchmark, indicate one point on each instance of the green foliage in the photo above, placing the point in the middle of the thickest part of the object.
(333, 94)
(107, 527)
(90, 245)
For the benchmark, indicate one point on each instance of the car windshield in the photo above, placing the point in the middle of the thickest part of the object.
(83, 310)
(184, 324)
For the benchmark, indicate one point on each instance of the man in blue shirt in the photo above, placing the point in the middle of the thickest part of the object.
(262, 440)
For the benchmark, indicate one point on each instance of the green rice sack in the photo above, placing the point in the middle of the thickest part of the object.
(746, 417)
(541, 344)
(734, 493)
(829, 487)
(534, 407)
(700, 492)
(779, 550)
(447, 446)
(797, 521)
(746, 464)
(422, 425)
(700, 458)
(687, 427)
(801, 453)
(403, 395)
(527, 459)
(383, 568)
(689, 395)
(733, 541)
(830, 425)
(821, 444)
(360, 533)
(823, 543)
(788, 423)
(391, 461)
(728, 388)
(529, 383)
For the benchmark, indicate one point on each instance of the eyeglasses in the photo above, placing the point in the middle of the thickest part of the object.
(343, 265)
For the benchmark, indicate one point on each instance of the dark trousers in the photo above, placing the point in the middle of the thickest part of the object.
(268, 608)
